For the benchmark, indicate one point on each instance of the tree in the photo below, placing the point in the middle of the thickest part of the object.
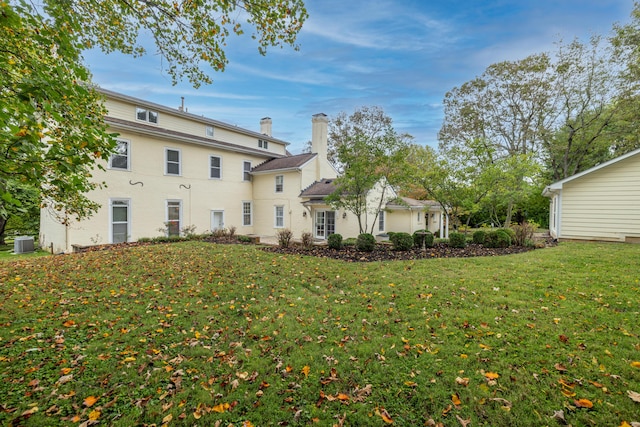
(369, 152)
(52, 133)
(22, 216)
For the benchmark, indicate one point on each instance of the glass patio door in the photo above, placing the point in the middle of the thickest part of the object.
(325, 224)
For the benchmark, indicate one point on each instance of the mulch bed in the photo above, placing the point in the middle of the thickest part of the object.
(386, 252)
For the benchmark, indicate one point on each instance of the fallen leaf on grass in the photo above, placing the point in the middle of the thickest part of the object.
(583, 403)
(492, 375)
(462, 381)
(385, 416)
(305, 370)
(635, 364)
(89, 401)
(634, 396)
(456, 400)
(167, 419)
(463, 422)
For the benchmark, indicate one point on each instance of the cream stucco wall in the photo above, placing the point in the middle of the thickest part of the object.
(602, 205)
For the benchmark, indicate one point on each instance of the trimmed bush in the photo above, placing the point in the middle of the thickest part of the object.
(402, 241)
(351, 241)
(244, 239)
(479, 237)
(284, 237)
(429, 239)
(418, 238)
(523, 232)
(457, 240)
(365, 242)
(498, 239)
(335, 241)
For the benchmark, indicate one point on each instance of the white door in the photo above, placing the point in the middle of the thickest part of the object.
(217, 220)
(325, 224)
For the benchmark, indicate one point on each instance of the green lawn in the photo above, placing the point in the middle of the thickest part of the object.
(197, 333)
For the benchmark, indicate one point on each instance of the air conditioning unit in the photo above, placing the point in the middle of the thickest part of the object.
(23, 245)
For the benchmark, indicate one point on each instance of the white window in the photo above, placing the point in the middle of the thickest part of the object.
(174, 217)
(172, 161)
(279, 217)
(263, 143)
(215, 167)
(246, 171)
(120, 220)
(120, 158)
(420, 215)
(279, 183)
(147, 115)
(381, 221)
(209, 131)
(246, 213)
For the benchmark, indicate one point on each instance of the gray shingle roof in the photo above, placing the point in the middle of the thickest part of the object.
(289, 162)
(321, 188)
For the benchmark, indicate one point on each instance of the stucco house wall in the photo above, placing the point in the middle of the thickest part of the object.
(602, 203)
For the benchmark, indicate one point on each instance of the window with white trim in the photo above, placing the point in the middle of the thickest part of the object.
(120, 218)
(279, 183)
(120, 158)
(215, 167)
(147, 115)
(420, 215)
(172, 161)
(246, 171)
(209, 131)
(263, 143)
(279, 216)
(246, 213)
(174, 217)
(381, 221)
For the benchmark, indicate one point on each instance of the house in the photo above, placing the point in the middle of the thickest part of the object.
(601, 203)
(174, 171)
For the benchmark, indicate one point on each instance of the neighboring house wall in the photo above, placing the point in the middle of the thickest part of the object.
(599, 204)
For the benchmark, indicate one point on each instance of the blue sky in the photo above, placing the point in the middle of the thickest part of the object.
(401, 55)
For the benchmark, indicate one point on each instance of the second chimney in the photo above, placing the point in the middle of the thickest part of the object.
(265, 126)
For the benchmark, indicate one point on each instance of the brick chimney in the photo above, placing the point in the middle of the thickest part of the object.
(265, 126)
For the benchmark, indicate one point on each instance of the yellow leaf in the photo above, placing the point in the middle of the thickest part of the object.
(89, 401)
(456, 399)
(305, 370)
(385, 416)
(221, 408)
(635, 364)
(583, 403)
(167, 419)
(491, 375)
(94, 415)
(247, 424)
(342, 396)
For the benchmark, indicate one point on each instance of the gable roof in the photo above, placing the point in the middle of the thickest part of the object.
(556, 186)
(319, 189)
(409, 203)
(284, 163)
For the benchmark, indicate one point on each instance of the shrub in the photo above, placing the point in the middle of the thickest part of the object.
(220, 232)
(479, 237)
(402, 241)
(232, 230)
(418, 238)
(144, 239)
(284, 237)
(351, 241)
(510, 232)
(307, 240)
(244, 239)
(457, 240)
(429, 239)
(335, 241)
(523, 232)
(498, 239)
(365, 242)
(390, 234)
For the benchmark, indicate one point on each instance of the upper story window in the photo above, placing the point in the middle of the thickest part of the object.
(172, 161)
(246, 171)
(120, 158)
(279, 183)
(215, 167)
(209, 131)
(263, 143)
(147, 115)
